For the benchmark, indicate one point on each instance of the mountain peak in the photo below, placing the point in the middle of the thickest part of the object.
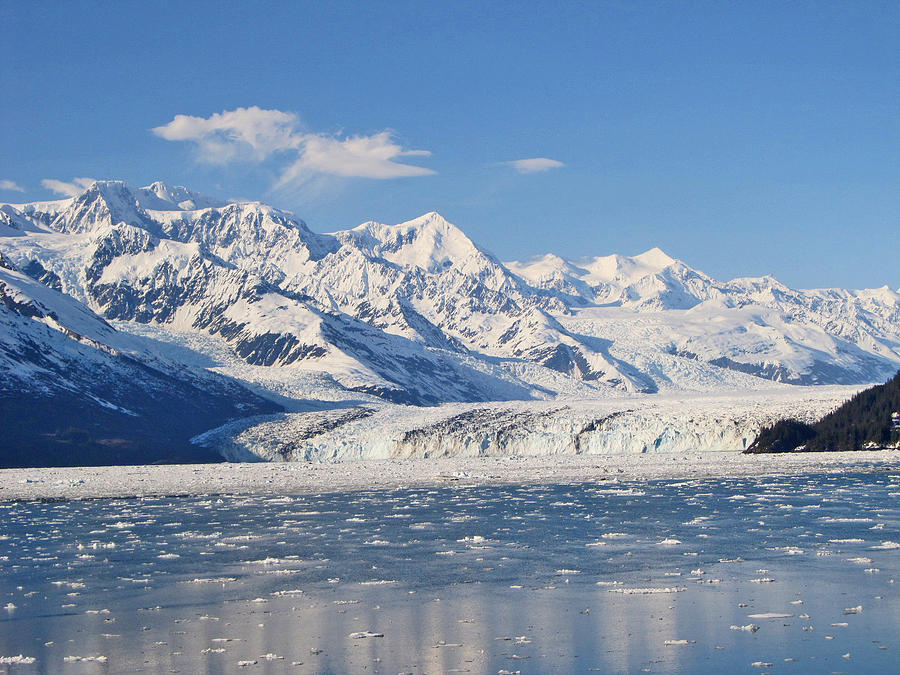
(429, 242)
(655, 257)
(430, 220)
(159, 196)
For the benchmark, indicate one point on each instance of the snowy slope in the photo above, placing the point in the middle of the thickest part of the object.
(75, 390)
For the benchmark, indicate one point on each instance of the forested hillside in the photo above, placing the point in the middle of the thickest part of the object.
(862, 422)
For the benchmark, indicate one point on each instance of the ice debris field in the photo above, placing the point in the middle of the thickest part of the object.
(740, 573)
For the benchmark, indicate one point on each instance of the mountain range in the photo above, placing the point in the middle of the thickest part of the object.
(158, 278)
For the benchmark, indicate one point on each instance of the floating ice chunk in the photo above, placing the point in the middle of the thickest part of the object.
(853, 610)
(678, 643)
(770, 615)
(646, 591)
(668, 542)
(761, 664)
(860, 560)
(886, 546)
(365, 634)
(762, 580)
(11, 660)
(749, 628)
(378, 582)
(86, 659)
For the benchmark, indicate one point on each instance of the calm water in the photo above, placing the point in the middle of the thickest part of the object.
(607, 577)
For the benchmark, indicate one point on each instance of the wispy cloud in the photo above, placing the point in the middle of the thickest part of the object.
(73, 189)
(11, 185)
(256, 135)
(534, 164)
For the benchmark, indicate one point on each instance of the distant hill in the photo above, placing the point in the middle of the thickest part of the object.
(863, 422)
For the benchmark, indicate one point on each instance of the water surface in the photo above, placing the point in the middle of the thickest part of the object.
(737, 575)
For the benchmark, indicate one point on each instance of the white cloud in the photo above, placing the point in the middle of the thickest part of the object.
(245, 133)
(11, 185)
(356, 156)
(534, 165)
(73, 189)
(253, 134)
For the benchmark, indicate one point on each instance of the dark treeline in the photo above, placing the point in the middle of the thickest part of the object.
(864, 420)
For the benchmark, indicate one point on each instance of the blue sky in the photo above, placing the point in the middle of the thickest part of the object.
(744, 138)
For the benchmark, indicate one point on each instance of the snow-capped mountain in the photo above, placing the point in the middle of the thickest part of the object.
(418, 313)
(652, 304)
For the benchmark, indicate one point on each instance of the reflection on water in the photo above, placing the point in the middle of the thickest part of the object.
(664, 576)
